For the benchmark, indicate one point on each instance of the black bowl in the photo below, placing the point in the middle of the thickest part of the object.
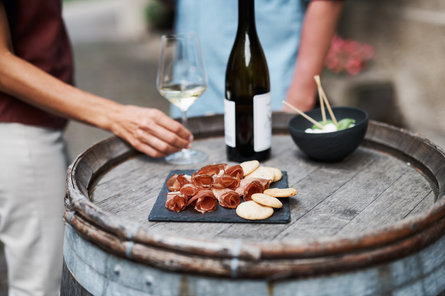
(334, 146)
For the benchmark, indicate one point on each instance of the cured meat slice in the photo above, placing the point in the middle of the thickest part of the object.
(235, 171)
(250, 186)
(183, 179)
(264, 182)
(176, 202)
(225, 181)
(203, 181)
(205, 201)
(175, 182)
(227, 198)
(189, 190)
(211, 169)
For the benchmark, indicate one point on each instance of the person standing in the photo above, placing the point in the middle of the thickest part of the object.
(36, 100)
(295, 36)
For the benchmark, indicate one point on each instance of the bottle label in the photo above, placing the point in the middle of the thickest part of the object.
(262, 118)
(229, 123)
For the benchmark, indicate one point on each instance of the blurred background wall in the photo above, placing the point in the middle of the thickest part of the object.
(404, 82)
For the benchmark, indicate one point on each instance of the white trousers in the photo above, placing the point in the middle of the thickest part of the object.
(33, 164)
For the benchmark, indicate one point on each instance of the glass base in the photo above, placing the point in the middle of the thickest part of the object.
(186, 156)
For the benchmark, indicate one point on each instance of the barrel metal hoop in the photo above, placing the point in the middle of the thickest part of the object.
(234, 264)
(132, 231)
(70, 216)
(128, 248)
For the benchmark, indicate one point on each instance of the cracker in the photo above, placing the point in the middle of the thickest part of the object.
(249, 166)
(251, 210)
(267, 200)
(263, 172)
(281, 192)
(276, 173)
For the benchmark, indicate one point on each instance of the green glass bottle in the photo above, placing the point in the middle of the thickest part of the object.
(247, 111)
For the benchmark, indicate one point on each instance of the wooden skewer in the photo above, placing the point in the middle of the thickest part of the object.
(303, 114)
(317, 79)
(320, 97)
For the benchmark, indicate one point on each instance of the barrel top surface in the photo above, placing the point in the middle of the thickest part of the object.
(369, 190)
(383, 202)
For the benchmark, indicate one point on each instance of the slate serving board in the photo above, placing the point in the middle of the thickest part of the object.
(222, 215)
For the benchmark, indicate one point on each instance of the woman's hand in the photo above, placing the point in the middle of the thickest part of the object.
(150, 130)
(301, 95)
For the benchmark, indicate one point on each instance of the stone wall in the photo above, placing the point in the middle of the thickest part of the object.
(409, 38)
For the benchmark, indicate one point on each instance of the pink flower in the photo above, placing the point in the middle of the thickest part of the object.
(348, 56)
(351, 46)
(368, 52)
(354, 66)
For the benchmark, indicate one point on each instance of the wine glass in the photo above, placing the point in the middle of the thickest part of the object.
(181, 79)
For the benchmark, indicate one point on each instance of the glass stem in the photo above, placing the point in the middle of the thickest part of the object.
(184, 118)
(185, 151)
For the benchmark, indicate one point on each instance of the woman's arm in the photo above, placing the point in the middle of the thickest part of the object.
(318, 28)
(147, 130)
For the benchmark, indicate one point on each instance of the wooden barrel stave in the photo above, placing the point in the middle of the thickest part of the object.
(284, 265)
(101, 273)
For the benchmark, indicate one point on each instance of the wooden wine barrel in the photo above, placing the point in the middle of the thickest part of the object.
(373, 224)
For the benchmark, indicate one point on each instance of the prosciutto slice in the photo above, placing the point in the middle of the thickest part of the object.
(189, 190)
(175, 182)
(176, 202)
(203, 181)
(235, 171)
(264, 182)
(249, 186)
(227, 198)
(204, 201)
(225, 181)
(211, 169)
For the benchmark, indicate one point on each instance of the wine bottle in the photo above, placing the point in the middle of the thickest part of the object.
(247, 111)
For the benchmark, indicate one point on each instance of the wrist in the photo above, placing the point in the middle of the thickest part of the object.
(101, 113)
(111, 116)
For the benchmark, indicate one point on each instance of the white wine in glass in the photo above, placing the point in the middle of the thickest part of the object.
(182, 79)
(182, 96)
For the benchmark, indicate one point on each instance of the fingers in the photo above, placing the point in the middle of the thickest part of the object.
(172, 125)
(302, 103)
(165, 132)
(150, 131)
(155, 146)
(287, 109)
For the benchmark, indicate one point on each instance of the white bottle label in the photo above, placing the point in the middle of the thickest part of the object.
(262, 118)
(229, 123)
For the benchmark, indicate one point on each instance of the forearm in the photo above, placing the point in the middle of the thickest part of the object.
(318, 28)
(146, 129)
(32, 85)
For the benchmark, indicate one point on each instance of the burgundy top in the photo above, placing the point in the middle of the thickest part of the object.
(38, 36)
